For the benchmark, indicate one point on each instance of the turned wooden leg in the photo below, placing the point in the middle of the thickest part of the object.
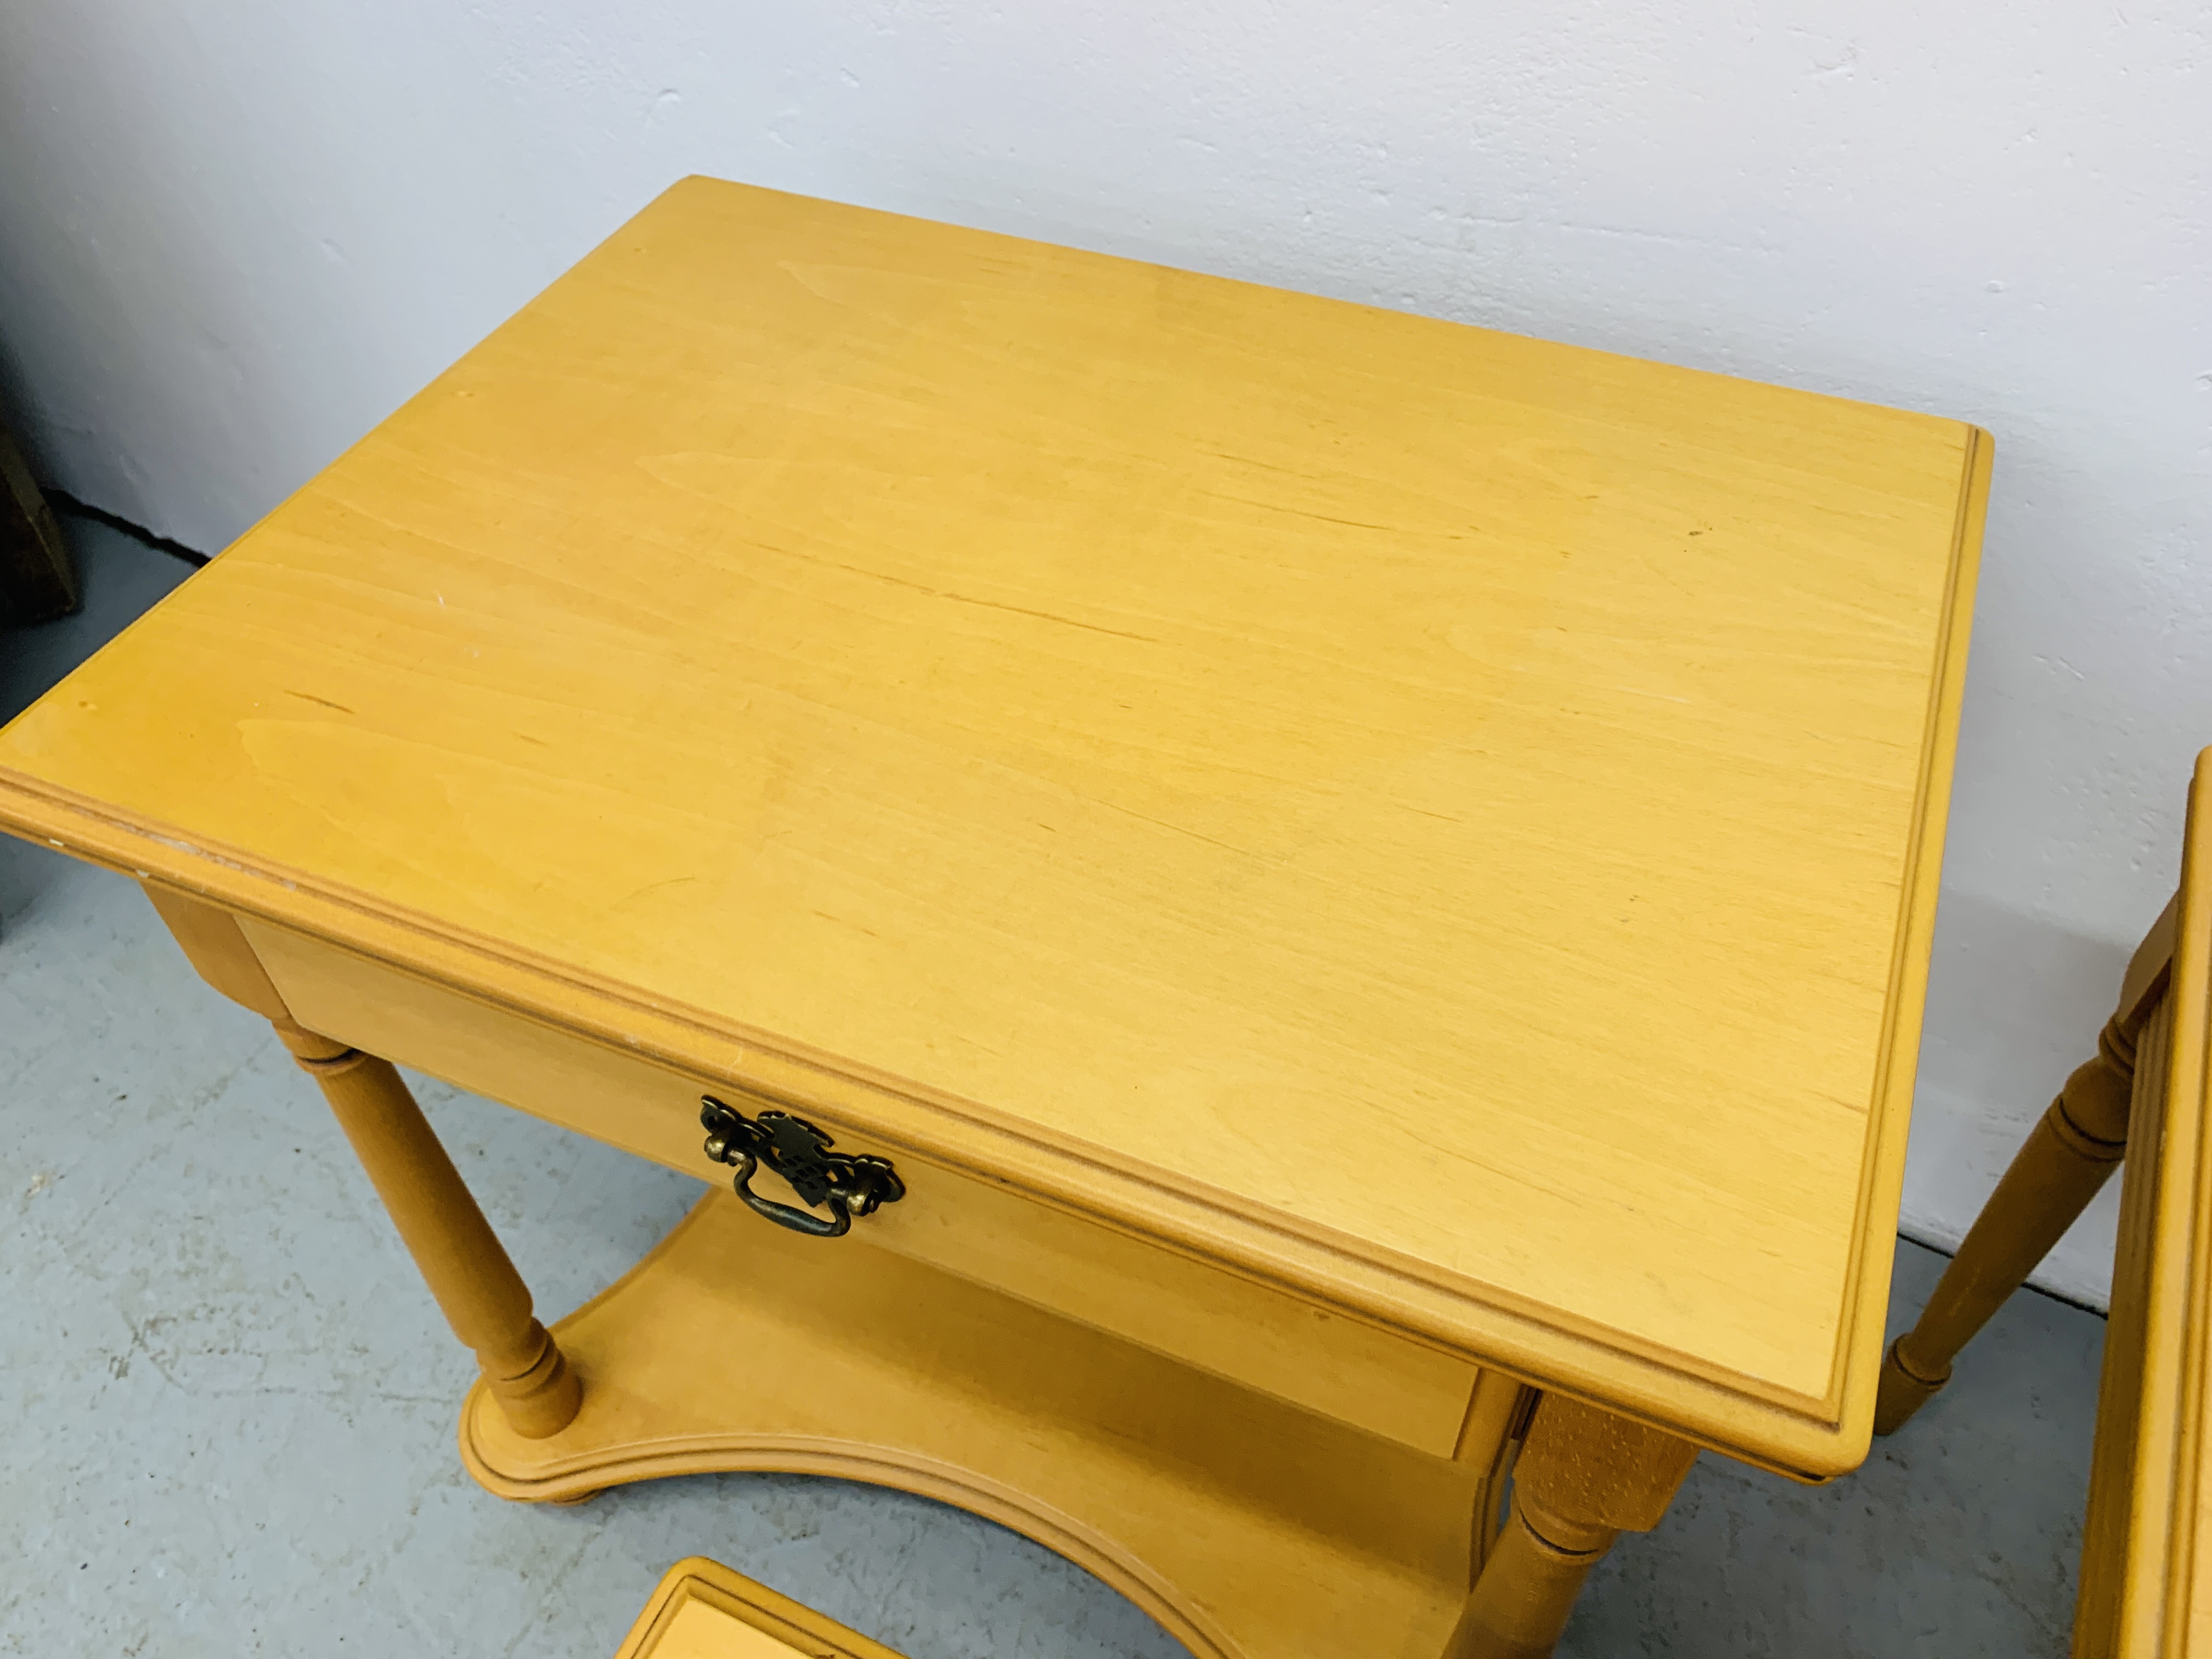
(483, 1298)
(1584, 1477)
(2067, 1159)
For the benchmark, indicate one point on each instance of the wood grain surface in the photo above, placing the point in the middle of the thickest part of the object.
(1449, 819)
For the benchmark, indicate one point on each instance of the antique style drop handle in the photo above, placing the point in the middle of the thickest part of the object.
(800, 1153)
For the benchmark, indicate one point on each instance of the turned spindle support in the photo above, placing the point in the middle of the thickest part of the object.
(1583, 1477)
(461, 1259)
(2066, 1160)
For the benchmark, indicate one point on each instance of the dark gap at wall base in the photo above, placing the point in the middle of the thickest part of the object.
(68, 503)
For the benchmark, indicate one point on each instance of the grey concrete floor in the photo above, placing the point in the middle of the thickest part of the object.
(226, 1404)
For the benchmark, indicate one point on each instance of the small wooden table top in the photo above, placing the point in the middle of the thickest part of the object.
(702, 1610)
(1444, 823)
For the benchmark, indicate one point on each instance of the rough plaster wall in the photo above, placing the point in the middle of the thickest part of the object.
(232, 238)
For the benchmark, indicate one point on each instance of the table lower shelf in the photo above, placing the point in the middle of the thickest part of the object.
(1248, 1528)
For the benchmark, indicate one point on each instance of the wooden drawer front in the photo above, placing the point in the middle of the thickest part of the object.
(1191, 1310)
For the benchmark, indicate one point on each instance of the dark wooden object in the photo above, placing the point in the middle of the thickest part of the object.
(38, 578)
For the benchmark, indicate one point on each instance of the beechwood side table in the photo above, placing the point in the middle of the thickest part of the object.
(1282, 912)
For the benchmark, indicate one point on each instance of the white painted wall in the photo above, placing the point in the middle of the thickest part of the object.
(233, 237)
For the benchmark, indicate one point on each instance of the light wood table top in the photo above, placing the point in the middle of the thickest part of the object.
(1447, 822)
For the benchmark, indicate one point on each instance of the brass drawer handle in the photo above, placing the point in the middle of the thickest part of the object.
(800, 1153)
